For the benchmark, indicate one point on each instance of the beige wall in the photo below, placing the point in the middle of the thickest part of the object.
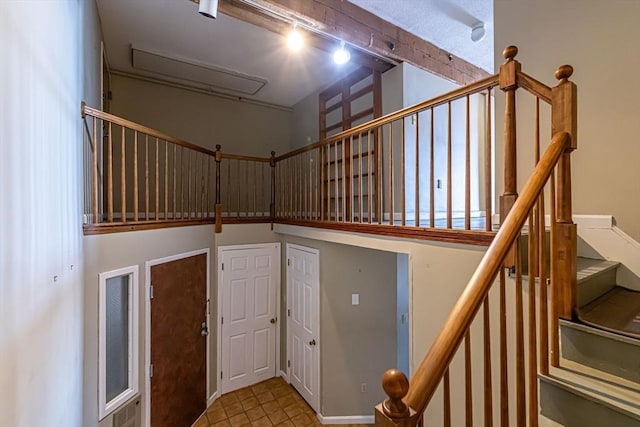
(113, 251)
(50, 53)
(600, 40)
(205, 120)
(358, 343)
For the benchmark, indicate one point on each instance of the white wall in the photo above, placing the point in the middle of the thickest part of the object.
(49, 65)
(600, 40)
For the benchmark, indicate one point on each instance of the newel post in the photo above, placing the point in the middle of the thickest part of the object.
(564, 119)
(272, 206)
(394, 412)
(508, 80)
(218, 207)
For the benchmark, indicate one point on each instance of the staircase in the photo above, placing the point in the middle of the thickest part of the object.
(598, 380)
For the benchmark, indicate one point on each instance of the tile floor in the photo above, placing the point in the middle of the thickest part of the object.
(269, 403)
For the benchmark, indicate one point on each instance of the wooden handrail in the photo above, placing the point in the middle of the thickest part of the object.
(245, 158)
(142, 129)
(428, 375)
(460, 93)
(534, 86)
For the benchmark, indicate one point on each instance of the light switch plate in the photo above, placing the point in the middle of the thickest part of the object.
(355, 299)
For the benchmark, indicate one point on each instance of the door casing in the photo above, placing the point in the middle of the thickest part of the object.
(147, 326)
(221, 249)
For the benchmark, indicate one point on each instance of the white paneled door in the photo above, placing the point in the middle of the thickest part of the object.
(249, 323)
(303, 322)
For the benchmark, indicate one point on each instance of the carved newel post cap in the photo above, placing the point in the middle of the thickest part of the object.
(218, 147)
(564, 72)
(396, 385)
(273, 154)
(509, 53)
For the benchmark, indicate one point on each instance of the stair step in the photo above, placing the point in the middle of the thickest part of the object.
(572, 400)
(596, 277)
(617, 311)
(601, 350)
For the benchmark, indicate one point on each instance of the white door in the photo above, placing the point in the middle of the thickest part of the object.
(250, 283)
(303, 326)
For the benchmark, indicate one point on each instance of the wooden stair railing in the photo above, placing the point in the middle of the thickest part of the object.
(532, 318)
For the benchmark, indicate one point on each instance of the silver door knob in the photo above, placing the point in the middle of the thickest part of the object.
(205, 330)
(312, 342)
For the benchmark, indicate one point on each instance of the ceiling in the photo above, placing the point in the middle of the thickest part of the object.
(173, 29)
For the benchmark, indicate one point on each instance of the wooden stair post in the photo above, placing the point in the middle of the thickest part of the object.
(218, 208)
(394, 412)
(508, 79)
(272, 205)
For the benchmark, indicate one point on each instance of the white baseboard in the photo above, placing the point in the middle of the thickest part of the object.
(348, 419)
(212, 398)
(284, 376)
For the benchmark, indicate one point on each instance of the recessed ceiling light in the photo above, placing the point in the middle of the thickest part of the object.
(341, 55)
(295, 40)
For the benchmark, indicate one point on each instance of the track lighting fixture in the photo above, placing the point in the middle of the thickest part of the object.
(341, 55)
(208, 8)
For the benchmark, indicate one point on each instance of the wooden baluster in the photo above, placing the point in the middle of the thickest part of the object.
(247, 187)
(347, 157)
(94, 168)
(110, 174)
(360, 179)
(488, 388)
(208, 189)
(238, 193)
(309, 184)
(532, 357)
(182, 182)
(379, 160)
(218, 207)
(446, 389)
(403, 202)
(272, 205)
(345, 192)
(324, 181)
(564, 119)
(449, 170)
(488, 199)
(146, 177)
(509, 84)
(468, 385)
(554, 339)
(175, 159)
(166, 180)
(370, 171)
(135, 176)
(521, 407)
(417, 178)
(123, 177)
(542, 274)
(432, 175)
(467, 170)
(337, 184)
(157, 180)
(504, 376)
(394, 411)
(391, 204)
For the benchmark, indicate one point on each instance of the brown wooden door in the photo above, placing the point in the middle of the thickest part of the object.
(178, 349)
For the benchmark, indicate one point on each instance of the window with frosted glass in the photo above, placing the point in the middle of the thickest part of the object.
(117, 336)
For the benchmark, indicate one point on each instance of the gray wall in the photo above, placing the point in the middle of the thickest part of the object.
(358, 343)
(50, 54)
(205, 120)
(600, 40)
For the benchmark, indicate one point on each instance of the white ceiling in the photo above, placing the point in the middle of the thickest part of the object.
(445, 23)
(175, 29)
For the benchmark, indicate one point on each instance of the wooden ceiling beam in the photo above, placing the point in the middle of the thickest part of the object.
(369, 32)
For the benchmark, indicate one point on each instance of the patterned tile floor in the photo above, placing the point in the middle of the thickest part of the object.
(269, 403)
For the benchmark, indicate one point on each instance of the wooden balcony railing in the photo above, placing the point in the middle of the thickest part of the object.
(529, 273)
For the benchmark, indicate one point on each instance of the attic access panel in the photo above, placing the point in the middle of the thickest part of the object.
(191, 72)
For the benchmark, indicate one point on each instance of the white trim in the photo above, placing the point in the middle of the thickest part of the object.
(347, 419)
(147, 323)
(106, 408)
(221, 249)
(284, 376)
(314, 405)
(212, 398)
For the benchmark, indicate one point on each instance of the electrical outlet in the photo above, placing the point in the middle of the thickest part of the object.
(363, 387)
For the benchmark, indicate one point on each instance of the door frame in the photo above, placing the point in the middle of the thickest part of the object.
(316, 253)
(221, 249)
(147, 325)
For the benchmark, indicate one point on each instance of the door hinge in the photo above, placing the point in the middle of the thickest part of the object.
(288, 262)
(222, 266)
(288, 312)
(222, 320)
(151, 292)
(151, 371)
(220, 374)
(288, 363)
